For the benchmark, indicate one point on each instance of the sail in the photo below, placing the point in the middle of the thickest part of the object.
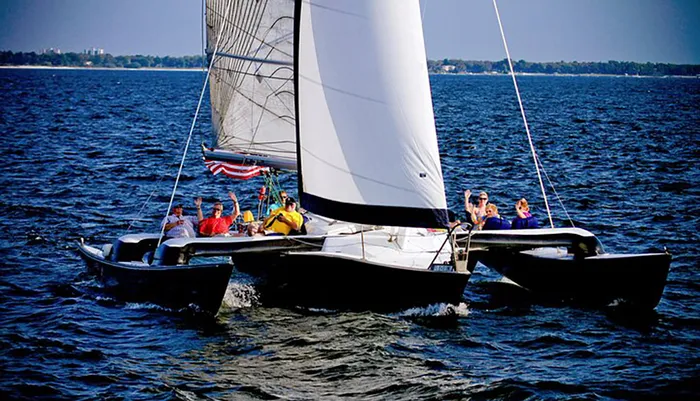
(251, 82)
(366, 131)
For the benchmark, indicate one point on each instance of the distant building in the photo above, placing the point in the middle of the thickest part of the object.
(448, 68)
(51, 50)
(94, 51)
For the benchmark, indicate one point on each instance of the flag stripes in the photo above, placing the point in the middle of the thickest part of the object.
(237, 171)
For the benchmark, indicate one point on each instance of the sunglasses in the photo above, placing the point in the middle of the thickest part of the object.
(217, 209)
(484, 199)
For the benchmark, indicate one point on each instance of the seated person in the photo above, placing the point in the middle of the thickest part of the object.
(281, 221)
(179, 226)
(275, 206)
(493, 220)
(216, 224)
(524, 219)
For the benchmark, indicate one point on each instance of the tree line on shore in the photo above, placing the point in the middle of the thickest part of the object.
(456, 66)
(99, 60)
(445, 66)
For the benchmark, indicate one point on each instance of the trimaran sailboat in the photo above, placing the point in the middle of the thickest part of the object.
(339, 92)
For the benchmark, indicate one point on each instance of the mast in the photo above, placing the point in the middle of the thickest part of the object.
(297, 27)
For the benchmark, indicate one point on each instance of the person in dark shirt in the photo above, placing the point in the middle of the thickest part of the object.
(493, 220)
(525, 219)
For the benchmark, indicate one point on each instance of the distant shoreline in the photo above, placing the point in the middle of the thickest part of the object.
(543, 74)
(443, 66)
(534, 74)
(58, 67)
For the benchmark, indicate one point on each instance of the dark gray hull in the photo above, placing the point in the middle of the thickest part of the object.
(321, 280)
(637, 281)
(175, 287)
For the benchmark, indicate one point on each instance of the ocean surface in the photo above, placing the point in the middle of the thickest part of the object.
(94, 154)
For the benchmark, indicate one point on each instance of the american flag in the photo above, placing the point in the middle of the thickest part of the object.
(237, 171)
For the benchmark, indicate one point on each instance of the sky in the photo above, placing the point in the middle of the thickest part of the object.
(666, 31)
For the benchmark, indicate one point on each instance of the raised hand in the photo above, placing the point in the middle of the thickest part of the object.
(468, 205)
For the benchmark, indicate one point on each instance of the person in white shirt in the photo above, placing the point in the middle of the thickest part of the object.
(179, 226)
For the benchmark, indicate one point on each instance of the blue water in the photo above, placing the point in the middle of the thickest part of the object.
(82, 151)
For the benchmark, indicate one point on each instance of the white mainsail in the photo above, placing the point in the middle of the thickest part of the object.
(368, 147)
(252, 80)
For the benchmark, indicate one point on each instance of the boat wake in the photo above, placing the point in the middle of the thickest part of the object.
(240, 295)
(147, 306)
(436, 310)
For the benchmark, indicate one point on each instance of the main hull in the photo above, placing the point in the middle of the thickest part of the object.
(634, 280)
(171, 286)
(321, 279)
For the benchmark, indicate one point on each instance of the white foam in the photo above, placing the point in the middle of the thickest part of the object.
(240, 295)
(146, 306)
(442, 309)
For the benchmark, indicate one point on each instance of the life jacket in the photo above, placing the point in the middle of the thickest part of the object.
(522, 223)
(274, 225)
(496, 223)
(248, 216)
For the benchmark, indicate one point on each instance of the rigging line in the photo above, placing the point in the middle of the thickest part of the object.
(260, 118)
(522, 112)
(251, 65)
(305, 242)
(240, 39)
(203, 22)
(277, 40)
(253, 101)
(241, 23)
(189, 137)
(555, 193)
(153, 192)
(244, 40)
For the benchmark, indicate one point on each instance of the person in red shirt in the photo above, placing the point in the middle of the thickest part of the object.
(216, 224)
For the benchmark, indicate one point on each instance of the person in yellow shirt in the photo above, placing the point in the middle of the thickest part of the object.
(281, 221)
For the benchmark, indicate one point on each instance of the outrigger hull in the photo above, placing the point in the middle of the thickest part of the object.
(635, 281)
(183, 286)
(329, 280)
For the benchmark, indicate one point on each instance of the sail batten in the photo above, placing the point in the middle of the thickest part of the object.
(254, 59)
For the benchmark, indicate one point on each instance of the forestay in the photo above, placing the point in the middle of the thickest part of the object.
(251, 82)
(366, 130)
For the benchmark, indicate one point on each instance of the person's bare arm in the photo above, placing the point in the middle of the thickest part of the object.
(198, 203)
(290, 222)
(236, 207)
